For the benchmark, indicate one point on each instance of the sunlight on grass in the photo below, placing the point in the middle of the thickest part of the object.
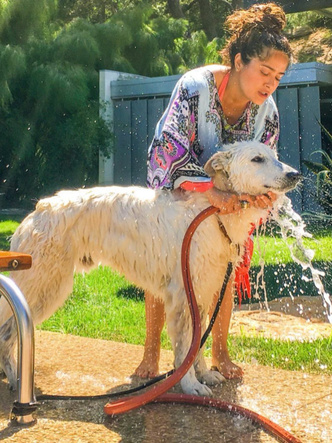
(310, 356)
(7, 228)
(104, 305)
(274, 250)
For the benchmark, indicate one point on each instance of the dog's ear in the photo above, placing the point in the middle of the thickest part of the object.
(218, 169)
(218, 163)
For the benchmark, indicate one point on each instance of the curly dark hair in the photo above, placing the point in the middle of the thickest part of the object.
(254, 31)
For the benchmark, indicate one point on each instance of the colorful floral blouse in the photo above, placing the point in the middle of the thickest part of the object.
(193, 127)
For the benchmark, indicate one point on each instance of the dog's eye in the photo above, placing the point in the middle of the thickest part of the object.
(257, 159)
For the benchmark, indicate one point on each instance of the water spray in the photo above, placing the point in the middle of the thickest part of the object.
(292, 225)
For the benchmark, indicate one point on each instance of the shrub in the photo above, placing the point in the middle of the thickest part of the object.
(323, 172)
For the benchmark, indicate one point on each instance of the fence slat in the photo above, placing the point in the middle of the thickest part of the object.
(289, 141)
(311, 139)
(139, 113)
(123, 146)
(155, 111)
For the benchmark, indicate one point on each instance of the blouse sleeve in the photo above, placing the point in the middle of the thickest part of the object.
(174, 151)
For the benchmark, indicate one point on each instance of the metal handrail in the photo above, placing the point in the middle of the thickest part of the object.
(26, 403)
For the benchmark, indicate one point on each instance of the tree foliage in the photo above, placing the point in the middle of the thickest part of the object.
(50, 55)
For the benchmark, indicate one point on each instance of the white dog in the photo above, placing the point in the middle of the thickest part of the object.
(139, 233)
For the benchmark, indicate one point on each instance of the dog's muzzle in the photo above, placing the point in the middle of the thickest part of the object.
(294, 177)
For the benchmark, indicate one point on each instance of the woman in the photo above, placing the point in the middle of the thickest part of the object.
(212, 106)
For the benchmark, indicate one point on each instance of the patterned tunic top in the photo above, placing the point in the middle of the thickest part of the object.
(193, 127)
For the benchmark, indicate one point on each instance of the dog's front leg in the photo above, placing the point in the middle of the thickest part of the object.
(205, 375)
(180, 332)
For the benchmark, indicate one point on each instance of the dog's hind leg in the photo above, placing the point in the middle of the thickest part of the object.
(45, 289)
(47, 285)
(8, 335)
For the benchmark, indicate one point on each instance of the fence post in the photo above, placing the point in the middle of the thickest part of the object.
(106, 165)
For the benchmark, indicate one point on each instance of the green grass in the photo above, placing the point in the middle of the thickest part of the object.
(7, 229)
(104, 305)
(276, 252)
(309, 356)
(283, 277)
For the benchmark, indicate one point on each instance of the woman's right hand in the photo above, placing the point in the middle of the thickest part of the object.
(227, 202)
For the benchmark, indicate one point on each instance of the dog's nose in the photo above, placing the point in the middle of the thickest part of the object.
(294, 176)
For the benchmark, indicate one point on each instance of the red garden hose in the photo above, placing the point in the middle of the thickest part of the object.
(270, 427)
(129, 403)
(158, 393)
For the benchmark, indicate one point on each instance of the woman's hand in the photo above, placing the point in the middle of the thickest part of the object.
(228, 203)
(265, 201)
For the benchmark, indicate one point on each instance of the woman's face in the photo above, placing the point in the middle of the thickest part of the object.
(260, 77)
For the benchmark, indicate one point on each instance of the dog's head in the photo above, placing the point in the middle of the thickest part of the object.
(250, 168)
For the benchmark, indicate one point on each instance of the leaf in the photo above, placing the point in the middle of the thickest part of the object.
(314, 167)
(325, 154)
(61, 87)
(78, 48)
(329, 136)
(328, 158)
(12, 66)
(323, 180)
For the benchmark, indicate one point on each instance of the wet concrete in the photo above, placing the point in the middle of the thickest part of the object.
(66, 364)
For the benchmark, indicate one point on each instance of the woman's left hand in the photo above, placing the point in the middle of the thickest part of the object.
(264, 201)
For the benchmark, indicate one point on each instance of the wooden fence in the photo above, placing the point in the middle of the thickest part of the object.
(132, 106)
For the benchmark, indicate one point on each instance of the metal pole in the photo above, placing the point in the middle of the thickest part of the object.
(26, 403)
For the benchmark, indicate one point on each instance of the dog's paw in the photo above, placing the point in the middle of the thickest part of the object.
(13, 387)
(11, 378)
(212, 378)
(195, 388)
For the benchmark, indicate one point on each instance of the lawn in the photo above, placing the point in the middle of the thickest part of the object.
(7, 228)
(104, 305)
